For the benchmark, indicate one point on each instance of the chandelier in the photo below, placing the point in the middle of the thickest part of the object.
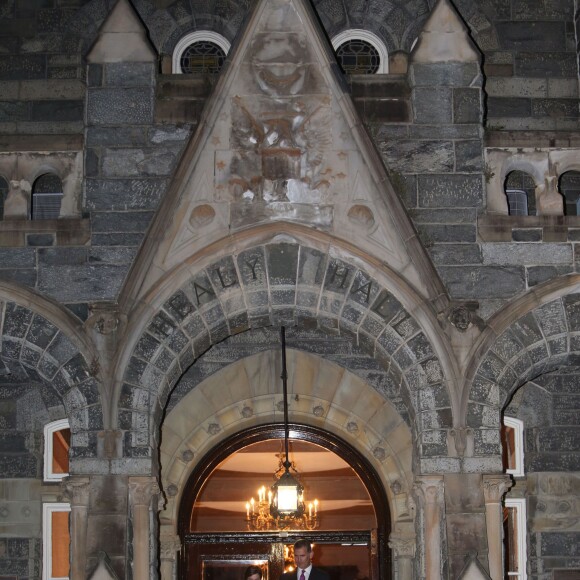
(283, 507)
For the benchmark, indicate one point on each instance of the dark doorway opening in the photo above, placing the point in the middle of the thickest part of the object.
(359, 553)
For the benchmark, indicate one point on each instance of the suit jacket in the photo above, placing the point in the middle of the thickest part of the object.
(315, 574)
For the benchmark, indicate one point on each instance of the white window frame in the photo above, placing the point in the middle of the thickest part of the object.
(519, 504)
(518, 426)
(47, 510)
(371, 38)
(49, 430)
(198, 36)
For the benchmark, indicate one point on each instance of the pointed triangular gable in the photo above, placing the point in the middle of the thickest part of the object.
(445, 38)
(122, 38)
(280, 141)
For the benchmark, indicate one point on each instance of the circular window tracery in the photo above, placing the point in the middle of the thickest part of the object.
(357, 56)
(360, 52)
(201, 52)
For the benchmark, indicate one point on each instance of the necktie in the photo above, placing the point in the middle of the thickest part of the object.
(302, 576)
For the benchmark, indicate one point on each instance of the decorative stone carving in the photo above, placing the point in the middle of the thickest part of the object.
(352, 427)
(172, 490)
(213, 428)
(170, 545)
(76, 490)
(460, 438)
(361, 215)
(247, 412)
(396, 487)
(379, 453)
(494, 488)
(202, 215)
(187, 455)
(402, 547)
(142, 489)
(318, 411)
(430, 491)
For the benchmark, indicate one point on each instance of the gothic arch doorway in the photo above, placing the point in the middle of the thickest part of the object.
(211, 554)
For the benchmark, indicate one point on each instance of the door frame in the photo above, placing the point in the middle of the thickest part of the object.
(380, 553)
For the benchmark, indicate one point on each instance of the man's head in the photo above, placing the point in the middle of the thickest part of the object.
(302, 554)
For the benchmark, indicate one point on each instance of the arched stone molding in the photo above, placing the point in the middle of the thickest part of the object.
(42, 340)
(545, 166)
(197, 36)
(537, 334)
(248, 393)
(371, 38)
(21, 169)
(275, 282)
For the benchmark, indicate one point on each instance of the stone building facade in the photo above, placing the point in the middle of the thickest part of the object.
(369, 214)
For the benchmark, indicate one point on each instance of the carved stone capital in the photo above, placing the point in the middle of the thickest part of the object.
(170, 545)
(495, 486)
(142, 490)
(429, 489)
(402, 547)
(76, 490)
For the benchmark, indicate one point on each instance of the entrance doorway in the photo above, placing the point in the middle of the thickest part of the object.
(220, 539)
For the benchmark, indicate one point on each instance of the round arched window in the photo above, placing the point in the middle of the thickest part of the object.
(46, 197)
(360, 52)
(201, 52)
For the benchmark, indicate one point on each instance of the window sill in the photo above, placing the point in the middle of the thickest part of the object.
(17, 233)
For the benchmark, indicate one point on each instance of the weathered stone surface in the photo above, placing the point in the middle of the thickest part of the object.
(120, 106)
(450, 191)
(473, 282)
(524, 254)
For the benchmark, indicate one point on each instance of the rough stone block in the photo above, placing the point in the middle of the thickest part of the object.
(527, 254)
(14, 111)
(467, 106)
(509, 107)
(418, 156)
(57, 110)
(120, 106)
(451, 191)
(519, 87)
(452, 74)
(546, 64)
(532, 36)
(20, 67)
(133, 221)
(475, 282)
(431, 234)
(555, 108)
(469, 156)
(456, 254)
(527, 235)
(433, 105)
(127, 74)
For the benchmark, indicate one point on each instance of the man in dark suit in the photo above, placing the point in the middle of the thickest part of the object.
(304, 568)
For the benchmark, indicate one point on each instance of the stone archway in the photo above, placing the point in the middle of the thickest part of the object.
(285, 282)
(45, 345)
(244, 395)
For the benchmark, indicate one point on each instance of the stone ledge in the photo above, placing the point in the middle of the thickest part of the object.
(553, 228)
(11, 143)
(533, 139)
(62, 232)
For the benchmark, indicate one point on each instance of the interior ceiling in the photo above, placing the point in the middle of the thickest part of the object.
(324, 474)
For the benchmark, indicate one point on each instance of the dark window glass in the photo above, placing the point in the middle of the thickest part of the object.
(518, 185)
(570, 189)
(358, 57)
(4, 187)
(202, 57)
(46, 197)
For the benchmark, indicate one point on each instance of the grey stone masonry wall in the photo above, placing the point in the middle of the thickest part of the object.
(41, 74)
(549, 408)
(128, 162)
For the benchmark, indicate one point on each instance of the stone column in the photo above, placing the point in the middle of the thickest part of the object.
(77, 492)
(429, 490)
(403, 554)
(170, 546)
(494, 488)
(141, 491)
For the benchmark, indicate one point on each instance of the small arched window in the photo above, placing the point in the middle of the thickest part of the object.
(520, 190)
(360, 52)
(4, 188)
(569, 186)
(47, 194)
(56, 449)
(201, 52)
